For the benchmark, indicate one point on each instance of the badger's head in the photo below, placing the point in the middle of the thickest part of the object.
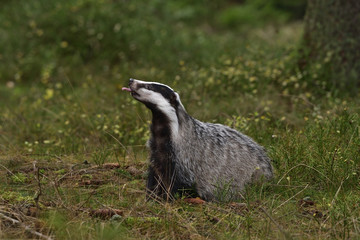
(159, 98)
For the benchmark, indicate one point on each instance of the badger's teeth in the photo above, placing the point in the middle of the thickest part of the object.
(126, 89)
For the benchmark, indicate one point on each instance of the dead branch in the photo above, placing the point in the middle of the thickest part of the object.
(39, 192)
(25, 227)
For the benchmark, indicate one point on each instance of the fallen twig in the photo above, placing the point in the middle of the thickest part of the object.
(39, 192)
(25, 227)
(292, 197)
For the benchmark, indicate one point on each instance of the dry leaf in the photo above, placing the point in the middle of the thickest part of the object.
(105, 213)
(194, 200)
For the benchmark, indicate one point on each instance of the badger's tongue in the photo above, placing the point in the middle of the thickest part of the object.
(126, 89)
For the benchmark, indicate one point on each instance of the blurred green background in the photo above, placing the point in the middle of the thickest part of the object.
(44, 39)
(62, 63)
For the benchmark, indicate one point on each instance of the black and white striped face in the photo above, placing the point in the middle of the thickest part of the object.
(159, 98)
(154, 95)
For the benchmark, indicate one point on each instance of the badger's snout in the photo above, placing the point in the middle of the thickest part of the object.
(152, 94)
(131, 86)
(131, 82)
(134, 84)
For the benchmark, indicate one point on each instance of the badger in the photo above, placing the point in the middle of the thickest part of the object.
(185, 153)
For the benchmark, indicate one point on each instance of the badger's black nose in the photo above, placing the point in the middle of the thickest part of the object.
(131, 80)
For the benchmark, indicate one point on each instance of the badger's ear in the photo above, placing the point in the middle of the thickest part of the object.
(173, 99)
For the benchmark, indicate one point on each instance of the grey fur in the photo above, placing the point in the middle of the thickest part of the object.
(217, 156)
(211, 157)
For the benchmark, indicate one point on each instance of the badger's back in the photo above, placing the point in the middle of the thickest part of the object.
(221, 159)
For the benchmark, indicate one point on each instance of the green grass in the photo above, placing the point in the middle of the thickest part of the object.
(72, 145)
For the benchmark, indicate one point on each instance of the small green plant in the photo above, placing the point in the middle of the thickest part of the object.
(19, 178)
(60, 172)
(86, 176)
(123, 173)
(101, 156)
(223, 191)
(15, 197)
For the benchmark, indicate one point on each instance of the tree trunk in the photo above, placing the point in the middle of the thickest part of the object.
(332, 43)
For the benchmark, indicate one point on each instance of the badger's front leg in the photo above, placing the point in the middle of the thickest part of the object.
(152, 185)
(156, 186)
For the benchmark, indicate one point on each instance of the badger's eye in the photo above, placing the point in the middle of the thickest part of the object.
(147, 87)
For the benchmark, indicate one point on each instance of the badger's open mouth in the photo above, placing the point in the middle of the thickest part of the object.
(133, 93)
